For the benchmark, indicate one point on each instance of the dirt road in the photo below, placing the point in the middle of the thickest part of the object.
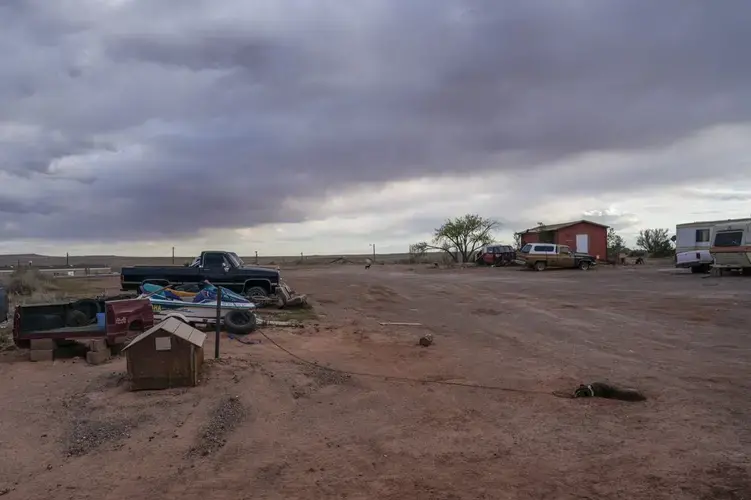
(266, 425)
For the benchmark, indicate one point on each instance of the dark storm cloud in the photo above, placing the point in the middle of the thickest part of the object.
(184, 116)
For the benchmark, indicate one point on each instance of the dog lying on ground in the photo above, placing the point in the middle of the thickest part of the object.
(603, 390)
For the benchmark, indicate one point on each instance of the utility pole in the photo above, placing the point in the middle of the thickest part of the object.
(67, 260)
(173, 255)
(373, 245)
(256, 257)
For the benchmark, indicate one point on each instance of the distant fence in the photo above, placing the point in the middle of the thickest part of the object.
(67, 271)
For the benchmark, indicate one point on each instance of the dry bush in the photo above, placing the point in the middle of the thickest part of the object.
(29, 281)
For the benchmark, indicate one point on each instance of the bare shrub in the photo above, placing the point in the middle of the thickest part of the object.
(28, 281)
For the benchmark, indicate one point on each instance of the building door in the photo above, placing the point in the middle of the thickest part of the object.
(582, 243)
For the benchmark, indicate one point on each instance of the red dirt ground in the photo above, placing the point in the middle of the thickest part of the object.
(265, 425)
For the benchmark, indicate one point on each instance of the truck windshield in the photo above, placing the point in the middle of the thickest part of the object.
(728, 239)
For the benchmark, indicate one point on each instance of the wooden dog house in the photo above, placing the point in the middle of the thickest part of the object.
(168, 355)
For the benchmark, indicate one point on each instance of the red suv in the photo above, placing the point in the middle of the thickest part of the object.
(496, 255)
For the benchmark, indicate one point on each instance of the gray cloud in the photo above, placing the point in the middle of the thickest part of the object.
(181, 116)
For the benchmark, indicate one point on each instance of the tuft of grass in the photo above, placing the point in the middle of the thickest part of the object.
(29, 281)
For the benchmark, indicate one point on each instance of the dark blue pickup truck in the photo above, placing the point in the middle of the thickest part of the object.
(224, 269)
(3, 304)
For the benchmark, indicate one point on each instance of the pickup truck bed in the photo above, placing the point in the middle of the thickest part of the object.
(123, 318)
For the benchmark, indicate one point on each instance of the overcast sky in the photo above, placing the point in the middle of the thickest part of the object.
(322, 126)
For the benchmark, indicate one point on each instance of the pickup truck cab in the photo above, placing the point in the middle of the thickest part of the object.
(540, 256)
(220, 268)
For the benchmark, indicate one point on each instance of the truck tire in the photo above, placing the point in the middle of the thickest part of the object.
(256, 291)
(584, 265)
(89, 307)
(77, 318)
(696, 269)
(540, 265)
(240, 322)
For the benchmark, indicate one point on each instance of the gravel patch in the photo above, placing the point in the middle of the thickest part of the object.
(87, 435)
(324, 377)
(224, 419)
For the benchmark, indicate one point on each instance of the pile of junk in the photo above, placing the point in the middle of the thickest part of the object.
(197, 306)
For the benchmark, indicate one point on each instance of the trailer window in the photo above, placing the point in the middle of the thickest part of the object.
(728, 239)
(702, 235)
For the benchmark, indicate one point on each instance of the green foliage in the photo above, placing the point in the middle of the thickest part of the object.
(417, 252)
(616, 244)
(656, 242)
(460, 237)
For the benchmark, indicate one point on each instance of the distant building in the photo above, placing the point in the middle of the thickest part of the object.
(581, 236)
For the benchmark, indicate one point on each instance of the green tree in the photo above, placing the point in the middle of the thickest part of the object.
(615, 244)
(460, 237)
(656, 242)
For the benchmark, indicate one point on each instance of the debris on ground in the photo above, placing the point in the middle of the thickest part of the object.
(273, 322)
(224, 419)
(243, 339)
(608, 391)
(426, 340)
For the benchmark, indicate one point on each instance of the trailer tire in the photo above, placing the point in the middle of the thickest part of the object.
(240, 322)
(77, 318)
(89, 307)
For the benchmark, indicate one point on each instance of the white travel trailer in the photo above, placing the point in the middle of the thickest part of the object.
(692, 242)
(731, 245)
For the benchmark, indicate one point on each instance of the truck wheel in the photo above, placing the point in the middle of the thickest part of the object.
(77, 318)
(584, 265)
(696, 269)
(240, 322)
(89, 307)
(256, 291)
(540, 265)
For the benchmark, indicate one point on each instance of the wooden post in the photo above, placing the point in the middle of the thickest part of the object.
(173, 255)
(256, 257)
(218, 321)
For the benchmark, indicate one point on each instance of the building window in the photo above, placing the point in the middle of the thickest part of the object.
(702, 235)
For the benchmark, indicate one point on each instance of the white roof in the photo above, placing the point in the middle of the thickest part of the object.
(175, 327)
(709, 223)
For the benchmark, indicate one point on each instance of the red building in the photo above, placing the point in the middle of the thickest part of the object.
(581, 236)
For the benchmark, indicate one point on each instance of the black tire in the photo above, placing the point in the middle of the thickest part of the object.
(256, 291)
(77, 318)
(89, 307)
(240, 322)
(584, 265)
(540, 265)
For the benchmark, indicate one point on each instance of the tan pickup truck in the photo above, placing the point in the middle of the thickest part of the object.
(540, 256)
